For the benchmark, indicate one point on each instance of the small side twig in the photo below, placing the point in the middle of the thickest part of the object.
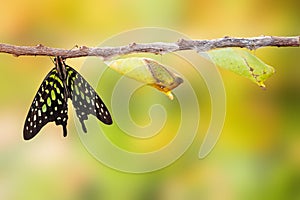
(156, 47)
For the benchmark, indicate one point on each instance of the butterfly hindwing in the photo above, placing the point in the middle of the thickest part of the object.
(48, 105)
(85, 99)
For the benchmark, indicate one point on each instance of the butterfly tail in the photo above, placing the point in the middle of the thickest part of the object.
(65, 130)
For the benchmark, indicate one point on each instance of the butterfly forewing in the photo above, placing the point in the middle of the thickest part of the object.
(85, 99)
(48, 105)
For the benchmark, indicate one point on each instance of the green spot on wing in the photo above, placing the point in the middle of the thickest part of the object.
(49, 101)
(52, 76)
(76, 90)
(58, 80)
(44, 108)
(70, 72)
(53, 96)
(82, 95)
(88, 99)
(57, 90)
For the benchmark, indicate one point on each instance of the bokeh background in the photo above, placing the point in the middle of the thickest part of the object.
(257, 155)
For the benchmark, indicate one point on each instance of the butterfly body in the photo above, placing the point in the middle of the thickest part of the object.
(51, 101)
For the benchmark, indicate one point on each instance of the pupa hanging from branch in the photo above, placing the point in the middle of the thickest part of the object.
(148, 71)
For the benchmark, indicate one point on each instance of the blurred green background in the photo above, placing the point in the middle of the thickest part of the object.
(257, 155)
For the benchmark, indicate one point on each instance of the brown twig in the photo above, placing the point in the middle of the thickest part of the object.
(156, 48)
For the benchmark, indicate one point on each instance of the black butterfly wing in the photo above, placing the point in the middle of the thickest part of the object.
(49, 104)
(85, 99)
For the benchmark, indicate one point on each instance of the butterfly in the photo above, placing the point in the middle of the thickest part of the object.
(51, 101)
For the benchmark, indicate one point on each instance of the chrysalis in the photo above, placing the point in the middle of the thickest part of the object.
(148, 71)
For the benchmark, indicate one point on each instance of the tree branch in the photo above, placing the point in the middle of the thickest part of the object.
(156, 48)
